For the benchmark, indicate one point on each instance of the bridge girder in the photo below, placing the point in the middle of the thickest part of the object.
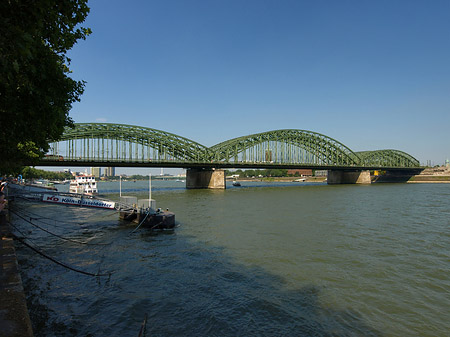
(287, 148)
(177, 146)
(388, 158)
(318, 148)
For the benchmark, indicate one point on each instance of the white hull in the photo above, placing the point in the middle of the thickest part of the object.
(27, 188)
(76, 201)
(84, 185)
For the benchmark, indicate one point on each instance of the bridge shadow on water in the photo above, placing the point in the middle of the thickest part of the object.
(186, 287)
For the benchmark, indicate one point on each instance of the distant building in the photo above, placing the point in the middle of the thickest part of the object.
(96, 171)
(300, 172)
(110, 172)
(321, 173)
(447, 163)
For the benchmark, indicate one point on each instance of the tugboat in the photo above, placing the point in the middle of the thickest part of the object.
(84, 184)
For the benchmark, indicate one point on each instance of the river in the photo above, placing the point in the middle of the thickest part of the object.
(264, 259)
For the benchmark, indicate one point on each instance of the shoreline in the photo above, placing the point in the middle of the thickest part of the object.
(14, 316)
(428, 182)
(417, 179)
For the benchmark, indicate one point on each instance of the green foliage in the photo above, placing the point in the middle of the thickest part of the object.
(36, 92)
(138, 177)
(32, 173)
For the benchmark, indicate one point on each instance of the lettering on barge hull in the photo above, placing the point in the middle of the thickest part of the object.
(56, 199)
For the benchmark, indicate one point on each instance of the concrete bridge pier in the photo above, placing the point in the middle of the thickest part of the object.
(348, 177)
(205, 178)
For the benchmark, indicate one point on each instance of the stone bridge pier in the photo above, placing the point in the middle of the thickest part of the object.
(205, 178)
(348, 177)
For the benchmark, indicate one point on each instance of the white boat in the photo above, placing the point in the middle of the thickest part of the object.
(84, 184)
(20, 188)
(299, 180)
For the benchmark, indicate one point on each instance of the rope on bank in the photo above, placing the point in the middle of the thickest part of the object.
(56, 261)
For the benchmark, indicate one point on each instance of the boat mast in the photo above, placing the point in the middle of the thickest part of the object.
(149, 190)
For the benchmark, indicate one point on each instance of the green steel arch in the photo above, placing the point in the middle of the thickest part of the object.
(286, 146)
(388, 158)
(119, 142)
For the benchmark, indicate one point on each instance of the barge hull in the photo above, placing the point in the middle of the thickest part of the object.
(160, 220)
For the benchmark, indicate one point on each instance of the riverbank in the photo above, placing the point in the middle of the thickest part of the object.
(283, 179)
(14, 318)
(414, 179)
(429, 175)
(429, 179)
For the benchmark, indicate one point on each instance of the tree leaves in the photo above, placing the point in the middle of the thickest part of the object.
(36, 93)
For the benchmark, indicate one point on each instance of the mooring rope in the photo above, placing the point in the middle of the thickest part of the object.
(146, 215)
(56, 261)
(143, 329)
(58, 236)
(39, 217)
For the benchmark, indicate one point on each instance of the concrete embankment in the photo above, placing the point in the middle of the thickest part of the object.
(430, 179)
(14, 318)
(439, 174)
(429, 176)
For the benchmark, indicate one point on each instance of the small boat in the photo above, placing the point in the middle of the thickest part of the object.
(43, 182)
(60, 182)
(83, 184)
(19, 188)
(300, 180)
(236, 183)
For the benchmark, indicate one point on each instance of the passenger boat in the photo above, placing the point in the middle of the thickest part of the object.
(83, 184)
(20, 188)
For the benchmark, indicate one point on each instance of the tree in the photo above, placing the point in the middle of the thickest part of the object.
(36, 92)
(32, 173)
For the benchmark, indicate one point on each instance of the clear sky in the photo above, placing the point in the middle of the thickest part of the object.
(370, 74)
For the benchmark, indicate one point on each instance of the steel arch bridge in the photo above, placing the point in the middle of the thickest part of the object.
(105, 144)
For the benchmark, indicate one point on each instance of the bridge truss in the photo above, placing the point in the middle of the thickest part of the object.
(104, 144)
(109, 143)
(285, 147)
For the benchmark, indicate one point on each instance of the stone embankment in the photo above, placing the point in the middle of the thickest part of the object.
(429, 175)
(14, 318)
(432, 175)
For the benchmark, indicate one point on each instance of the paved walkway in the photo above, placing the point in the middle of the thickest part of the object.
(14, 318)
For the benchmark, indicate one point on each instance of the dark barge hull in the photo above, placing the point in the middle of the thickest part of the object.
(160, 220)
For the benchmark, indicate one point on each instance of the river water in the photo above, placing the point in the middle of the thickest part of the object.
(265, 259)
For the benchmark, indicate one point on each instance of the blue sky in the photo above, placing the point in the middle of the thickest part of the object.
(370, 74)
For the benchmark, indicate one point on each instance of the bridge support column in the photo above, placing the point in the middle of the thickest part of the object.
(205, 178)
(348, 177)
